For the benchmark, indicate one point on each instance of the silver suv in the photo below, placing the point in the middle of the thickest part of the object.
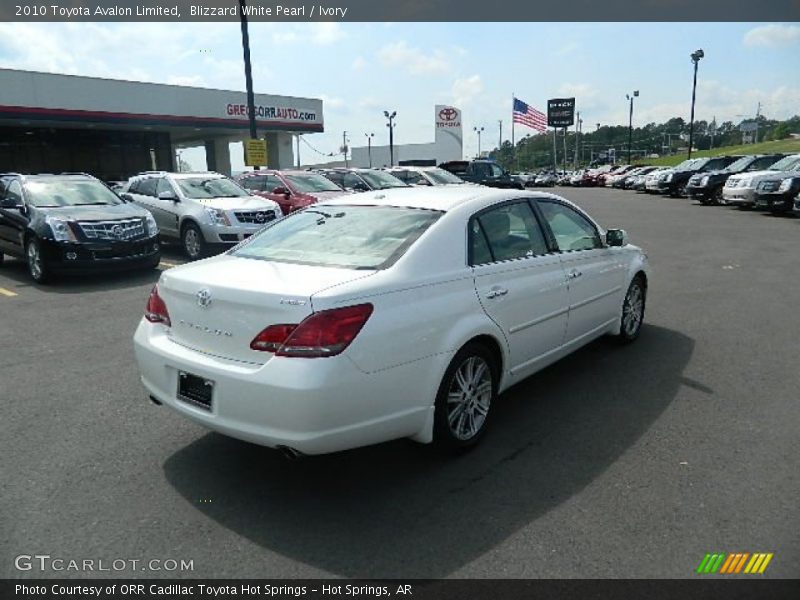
(201, 210)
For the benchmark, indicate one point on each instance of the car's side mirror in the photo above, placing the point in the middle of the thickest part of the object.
(282, 191)
(168, 195)
(126, 196)
(359, 187)
(8, 203)
(616, 237)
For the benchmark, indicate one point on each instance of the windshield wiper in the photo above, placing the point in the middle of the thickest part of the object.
(92, 204)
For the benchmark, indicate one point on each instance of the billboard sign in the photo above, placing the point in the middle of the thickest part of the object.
(561, 112)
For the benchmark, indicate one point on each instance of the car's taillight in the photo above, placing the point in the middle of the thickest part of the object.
(325, 333)
(156, 309)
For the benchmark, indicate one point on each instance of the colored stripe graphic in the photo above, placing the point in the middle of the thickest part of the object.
(741, 561)
(718, 563)
(734, 563)
(701, 568)
(728, 564)
(765, 563)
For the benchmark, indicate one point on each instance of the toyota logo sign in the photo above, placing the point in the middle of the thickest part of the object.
(116, 230)
(448, 114)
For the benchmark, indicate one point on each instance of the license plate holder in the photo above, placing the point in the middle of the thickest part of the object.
(195, 390)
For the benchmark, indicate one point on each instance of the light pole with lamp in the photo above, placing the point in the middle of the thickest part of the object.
(630, 122)
(390, 125)
(369, 147)
(478, 131)
(695, 56)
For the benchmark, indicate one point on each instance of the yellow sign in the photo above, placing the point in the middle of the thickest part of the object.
(255, 153)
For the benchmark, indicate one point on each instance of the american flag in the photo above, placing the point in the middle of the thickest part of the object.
(529, 116)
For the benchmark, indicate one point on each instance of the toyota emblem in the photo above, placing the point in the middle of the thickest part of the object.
(261, 217)
(117, 231)
(204, 298)
(448, 114)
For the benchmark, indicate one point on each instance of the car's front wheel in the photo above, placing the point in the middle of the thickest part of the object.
(37, 266)
(464, 401)
(194, 245)
(633, 311)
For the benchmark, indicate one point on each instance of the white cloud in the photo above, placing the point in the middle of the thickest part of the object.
(319, 33)
(414, 60)
(772, 35)
(359, 63)
(466, 89)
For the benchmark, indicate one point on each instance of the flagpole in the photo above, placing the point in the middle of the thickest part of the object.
(513, 147)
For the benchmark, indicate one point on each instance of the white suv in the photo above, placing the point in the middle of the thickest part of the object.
(201, 210)
(740, 190)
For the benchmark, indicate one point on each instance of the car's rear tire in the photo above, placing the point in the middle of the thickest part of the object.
(193, 242)
(37, 266)
(632, 311)
(464, 401)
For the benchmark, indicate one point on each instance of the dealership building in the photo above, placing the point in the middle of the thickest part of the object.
(51, 123)
(448, 144)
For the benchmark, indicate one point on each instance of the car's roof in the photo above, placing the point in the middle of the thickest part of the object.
(443, 198)
(55, 177)
(181, 175)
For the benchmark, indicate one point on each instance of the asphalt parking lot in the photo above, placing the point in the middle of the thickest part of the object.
(615, 462)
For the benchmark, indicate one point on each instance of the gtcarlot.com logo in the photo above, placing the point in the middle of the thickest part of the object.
(46, 562)
(734, 563)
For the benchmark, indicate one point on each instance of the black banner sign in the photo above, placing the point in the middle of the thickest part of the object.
(561, 112)
(450, 589)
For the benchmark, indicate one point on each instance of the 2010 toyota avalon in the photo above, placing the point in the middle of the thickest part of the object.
(400, 313)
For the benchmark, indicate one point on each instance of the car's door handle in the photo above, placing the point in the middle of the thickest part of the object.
(497, 292)
(574, 274)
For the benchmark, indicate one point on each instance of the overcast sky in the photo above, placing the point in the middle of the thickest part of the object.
(361, 69)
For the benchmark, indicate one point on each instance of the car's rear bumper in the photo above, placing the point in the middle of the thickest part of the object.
(314, 406)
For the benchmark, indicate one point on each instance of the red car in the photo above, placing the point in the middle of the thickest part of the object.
(292, 190)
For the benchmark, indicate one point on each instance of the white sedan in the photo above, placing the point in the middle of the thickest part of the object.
(400, 313)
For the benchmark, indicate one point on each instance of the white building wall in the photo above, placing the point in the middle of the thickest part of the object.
(448, 144)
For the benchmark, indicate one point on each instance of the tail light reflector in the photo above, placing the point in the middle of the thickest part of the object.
(156, 309)
(325, 333)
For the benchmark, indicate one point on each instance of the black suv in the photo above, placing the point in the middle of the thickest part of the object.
(73, 222)
(484, 172)
(675, 183)
(777, 195)
(707, 187)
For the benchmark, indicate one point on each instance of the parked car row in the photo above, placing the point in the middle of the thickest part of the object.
(762, 181)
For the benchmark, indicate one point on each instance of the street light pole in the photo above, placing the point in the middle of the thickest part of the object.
(390, 125)
(369, 147)
(500, 144)
(478, 131)
(248, 73)
(695, 56)
(630, 123)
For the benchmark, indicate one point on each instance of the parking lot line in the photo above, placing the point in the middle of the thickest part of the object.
(167, 264)
(7, 293)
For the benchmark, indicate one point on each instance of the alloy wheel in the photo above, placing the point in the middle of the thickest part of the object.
(191, 242)
(469, 398)
(633, 309)
(35, 261)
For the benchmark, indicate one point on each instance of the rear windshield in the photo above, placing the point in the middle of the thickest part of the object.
(443, 177)
(350, 237)
(307, 183)
(380, 180)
